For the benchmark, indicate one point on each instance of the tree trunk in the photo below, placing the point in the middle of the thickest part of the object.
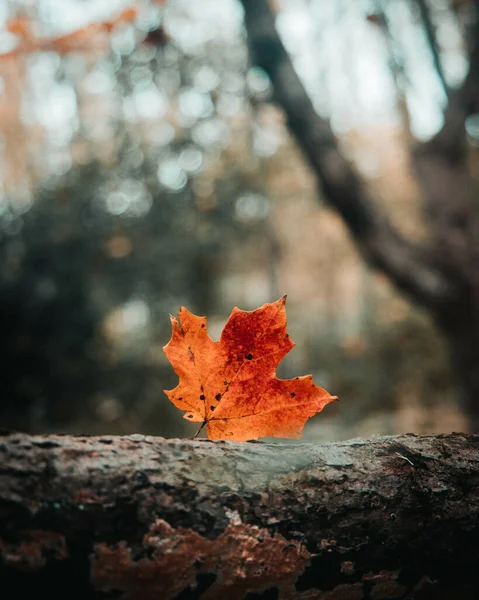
(139, 517)
(450, 203)
(441, 275)
(462, 334)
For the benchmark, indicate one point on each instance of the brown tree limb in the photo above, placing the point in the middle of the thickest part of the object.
(408, 265)
(432, 42)
(450, 194)
(141, 517)
(450, 143)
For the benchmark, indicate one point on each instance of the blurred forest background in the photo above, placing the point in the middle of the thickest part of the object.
(147, 162)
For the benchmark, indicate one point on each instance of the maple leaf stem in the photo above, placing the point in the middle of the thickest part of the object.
(199, 430)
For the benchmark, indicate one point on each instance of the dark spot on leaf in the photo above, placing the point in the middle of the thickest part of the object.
(225, 383)
(218, 397)
(202, 388)
(202, 324)
(287, 335)
(181, 398)
(202, 397)
(212, 408)
(292, 394)
(249, 356)
(190, 416)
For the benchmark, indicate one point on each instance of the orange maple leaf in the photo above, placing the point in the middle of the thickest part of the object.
(231, 385)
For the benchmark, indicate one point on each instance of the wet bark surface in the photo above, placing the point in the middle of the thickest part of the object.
(143, 517)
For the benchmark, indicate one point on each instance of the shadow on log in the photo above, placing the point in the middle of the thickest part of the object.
(139, 517)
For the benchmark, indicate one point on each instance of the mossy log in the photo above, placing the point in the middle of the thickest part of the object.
(140, 517)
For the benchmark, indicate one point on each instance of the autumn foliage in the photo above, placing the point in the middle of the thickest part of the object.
(81, 39)
(231, 385)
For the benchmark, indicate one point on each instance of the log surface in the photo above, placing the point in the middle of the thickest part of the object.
(143, 517)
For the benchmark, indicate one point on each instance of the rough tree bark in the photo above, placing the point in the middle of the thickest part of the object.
(442, 276)
(140, 517)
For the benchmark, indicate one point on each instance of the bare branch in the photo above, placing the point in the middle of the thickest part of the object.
(450, 143)
(431, 38)
(408, 265)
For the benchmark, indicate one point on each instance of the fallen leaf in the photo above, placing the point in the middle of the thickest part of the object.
(231, 385)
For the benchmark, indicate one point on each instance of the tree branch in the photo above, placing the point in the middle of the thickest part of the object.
(450, 143)
(142, 518)
(431, 39)
(450, 196)
(409, 266)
